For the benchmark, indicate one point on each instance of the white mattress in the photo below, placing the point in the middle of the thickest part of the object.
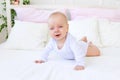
(19, 65)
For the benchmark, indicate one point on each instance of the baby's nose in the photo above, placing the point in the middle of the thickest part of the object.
(56, 29)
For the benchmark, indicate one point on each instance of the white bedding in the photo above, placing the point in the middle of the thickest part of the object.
(19, 65)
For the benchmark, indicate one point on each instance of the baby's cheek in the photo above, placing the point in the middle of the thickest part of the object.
(51, 33)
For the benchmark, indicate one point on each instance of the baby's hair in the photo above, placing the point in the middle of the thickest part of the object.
(58, 14)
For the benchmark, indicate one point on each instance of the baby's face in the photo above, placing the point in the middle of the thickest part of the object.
(58, 27)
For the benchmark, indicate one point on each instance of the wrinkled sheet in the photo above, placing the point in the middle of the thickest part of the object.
(19, 65)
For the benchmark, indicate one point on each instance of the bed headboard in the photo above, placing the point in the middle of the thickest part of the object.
(69, 4)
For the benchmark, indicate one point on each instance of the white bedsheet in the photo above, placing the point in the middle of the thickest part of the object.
(19, 65)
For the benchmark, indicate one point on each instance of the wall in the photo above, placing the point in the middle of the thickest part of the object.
(82, 3)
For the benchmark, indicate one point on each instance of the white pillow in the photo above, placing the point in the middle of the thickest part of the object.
(110, 33)
(85, 27)
(27, 35)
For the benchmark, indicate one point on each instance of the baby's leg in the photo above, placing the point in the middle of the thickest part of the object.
(92, 49)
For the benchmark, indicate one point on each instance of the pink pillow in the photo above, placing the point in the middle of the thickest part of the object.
(24, 12)
(111, 14)
(35, 15)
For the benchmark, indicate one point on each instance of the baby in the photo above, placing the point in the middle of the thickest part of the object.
(64, 44)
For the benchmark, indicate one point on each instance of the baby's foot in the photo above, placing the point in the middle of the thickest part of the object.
(90, 44)
(84, 39)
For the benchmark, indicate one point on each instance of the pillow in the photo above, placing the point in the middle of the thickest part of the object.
(101, 13)
(27, 35)
(85, 27)
(24, 12)
(110, 33)
(34, 14)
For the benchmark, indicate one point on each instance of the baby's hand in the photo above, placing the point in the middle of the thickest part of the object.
(39, 61)
(78, 67)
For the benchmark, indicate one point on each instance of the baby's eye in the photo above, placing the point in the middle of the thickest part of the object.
(60, 26)
(51, 28)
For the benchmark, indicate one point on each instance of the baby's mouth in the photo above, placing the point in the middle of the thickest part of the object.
(57, 35)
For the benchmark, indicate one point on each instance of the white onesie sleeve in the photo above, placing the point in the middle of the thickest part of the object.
(79, 50)
(46, 51)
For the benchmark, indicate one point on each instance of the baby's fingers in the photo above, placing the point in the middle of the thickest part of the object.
(39, 61)
(79, 68)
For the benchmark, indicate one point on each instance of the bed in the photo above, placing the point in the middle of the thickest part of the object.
(19, 65)
(30, 35)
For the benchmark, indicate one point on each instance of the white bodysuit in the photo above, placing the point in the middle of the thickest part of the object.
(72, 49)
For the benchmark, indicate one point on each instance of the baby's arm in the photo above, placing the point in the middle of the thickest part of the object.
(43, 57)
(45, 52)
(79, 50)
